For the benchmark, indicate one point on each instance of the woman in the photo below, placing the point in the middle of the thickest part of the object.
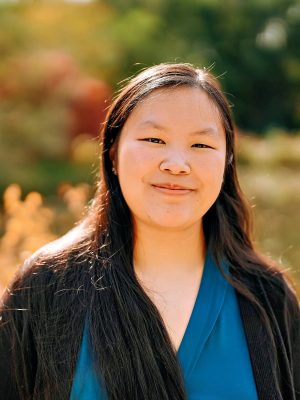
(159, 292)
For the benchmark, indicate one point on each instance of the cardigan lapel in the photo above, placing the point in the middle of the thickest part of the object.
(260, 351)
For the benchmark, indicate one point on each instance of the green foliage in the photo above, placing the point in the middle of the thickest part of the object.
(46, 175)
(253, 44)
(15, 32)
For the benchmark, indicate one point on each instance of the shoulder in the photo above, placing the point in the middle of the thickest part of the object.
(284, 302)
(57, 257)
(281, 292)
(54, 250)
(268, 279)
(276, 292)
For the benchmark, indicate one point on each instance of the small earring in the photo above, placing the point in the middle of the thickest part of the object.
(114, 170)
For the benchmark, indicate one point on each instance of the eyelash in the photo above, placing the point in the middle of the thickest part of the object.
(148, 139)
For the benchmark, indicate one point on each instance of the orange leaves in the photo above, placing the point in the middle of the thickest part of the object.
(29, 224)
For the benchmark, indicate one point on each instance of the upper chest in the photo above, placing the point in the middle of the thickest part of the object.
(175, 305)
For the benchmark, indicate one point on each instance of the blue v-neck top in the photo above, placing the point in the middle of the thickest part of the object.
(213, 353)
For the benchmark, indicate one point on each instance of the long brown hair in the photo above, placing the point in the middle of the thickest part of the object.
(93, 279)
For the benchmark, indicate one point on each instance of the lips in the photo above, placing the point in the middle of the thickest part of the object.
(171, 186)
(172, 190)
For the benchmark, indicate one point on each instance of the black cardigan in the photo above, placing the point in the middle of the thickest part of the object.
(272, 290)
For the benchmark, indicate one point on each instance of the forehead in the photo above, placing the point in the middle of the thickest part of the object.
(184, 106)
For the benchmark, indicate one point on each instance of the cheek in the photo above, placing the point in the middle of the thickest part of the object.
(217, 170)
(211, 169)
(134, 159)
(133, 154)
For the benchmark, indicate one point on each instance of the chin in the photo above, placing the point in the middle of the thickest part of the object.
(172, 223)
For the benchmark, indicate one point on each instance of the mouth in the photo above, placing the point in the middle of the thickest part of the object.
(174, 192)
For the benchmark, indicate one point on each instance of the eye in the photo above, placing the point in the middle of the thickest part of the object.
(152, 140)
(202, 145)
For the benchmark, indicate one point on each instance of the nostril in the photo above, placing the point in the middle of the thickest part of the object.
(175, 169)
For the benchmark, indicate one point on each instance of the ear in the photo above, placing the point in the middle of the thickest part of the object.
(113, 154)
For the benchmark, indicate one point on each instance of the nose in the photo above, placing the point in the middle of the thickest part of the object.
(175, 165)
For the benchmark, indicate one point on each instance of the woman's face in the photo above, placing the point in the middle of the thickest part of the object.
(174, 136)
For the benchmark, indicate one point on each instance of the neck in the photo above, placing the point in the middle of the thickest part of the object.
(168, 254)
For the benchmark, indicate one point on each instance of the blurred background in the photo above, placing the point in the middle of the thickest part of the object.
(60, 63)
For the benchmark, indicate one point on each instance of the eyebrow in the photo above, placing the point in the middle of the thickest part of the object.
(207, 131)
